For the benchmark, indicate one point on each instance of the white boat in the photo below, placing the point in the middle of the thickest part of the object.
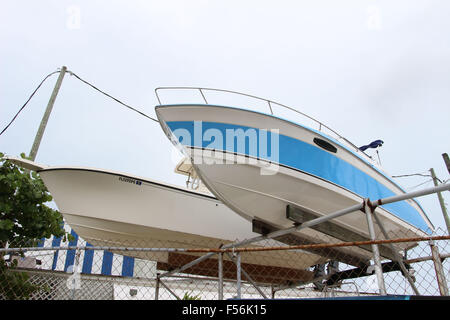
(259, 164)
(108, 208)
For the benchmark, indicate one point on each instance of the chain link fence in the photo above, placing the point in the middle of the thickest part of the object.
(283, 268)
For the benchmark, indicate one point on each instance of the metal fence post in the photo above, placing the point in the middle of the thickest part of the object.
(76, 275)
(220, 276)
(249, 278)
(238, 275)
(397, 257)
(157, 287)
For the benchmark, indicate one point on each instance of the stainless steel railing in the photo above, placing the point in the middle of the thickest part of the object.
(270, 103)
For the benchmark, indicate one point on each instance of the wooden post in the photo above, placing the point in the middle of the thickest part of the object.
(441, 201)
(447, 161)
(51, 102)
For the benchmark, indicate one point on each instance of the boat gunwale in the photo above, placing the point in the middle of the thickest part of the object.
(116, 173)
(321, 124)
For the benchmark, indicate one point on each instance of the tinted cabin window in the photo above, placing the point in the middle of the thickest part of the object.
(325, 145)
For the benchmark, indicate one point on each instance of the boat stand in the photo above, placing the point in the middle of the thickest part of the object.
(237, 262)
(376, 253)
(398, 259)
(160, 282)
(366, 206)
(271, 235)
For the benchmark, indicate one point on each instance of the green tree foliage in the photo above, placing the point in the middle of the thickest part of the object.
(190, 296)
(24, 219)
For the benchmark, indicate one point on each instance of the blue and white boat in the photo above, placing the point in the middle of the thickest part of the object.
(258, 164)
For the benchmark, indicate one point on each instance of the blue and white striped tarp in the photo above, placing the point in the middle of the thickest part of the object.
(90, 261)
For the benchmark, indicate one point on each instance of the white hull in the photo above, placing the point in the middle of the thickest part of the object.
(265, 197)
(110, 208)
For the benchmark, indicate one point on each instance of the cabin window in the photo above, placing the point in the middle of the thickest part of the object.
(325, 145)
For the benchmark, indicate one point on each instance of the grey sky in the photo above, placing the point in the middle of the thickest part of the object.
(369, 69)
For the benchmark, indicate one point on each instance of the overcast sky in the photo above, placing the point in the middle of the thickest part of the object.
(368, 69)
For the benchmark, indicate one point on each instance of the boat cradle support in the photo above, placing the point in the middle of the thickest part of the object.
(365, 206)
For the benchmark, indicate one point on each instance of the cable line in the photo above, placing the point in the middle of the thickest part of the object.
(416, 174)
(109, 96)
(82, 80)
(31, 96)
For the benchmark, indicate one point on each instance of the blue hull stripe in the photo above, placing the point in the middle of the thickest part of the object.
(306, 158)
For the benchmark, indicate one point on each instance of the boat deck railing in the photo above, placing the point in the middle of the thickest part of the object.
(321, 127)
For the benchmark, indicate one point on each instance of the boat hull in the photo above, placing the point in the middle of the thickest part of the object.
(114, 209)
(319, 178)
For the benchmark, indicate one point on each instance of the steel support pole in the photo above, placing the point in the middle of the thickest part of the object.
(157, 287)
(48, 110)
(220, 276)
(376, 253)
(238, 275)
(439, 269)
(248, 277)
(410, 195)
(396, 255)
(168, 289)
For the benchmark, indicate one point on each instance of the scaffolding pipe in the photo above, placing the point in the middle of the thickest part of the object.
(376, 253)
(222, 250)
(396, 255)
(410, 195)
(248, 277)
(168, 289)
